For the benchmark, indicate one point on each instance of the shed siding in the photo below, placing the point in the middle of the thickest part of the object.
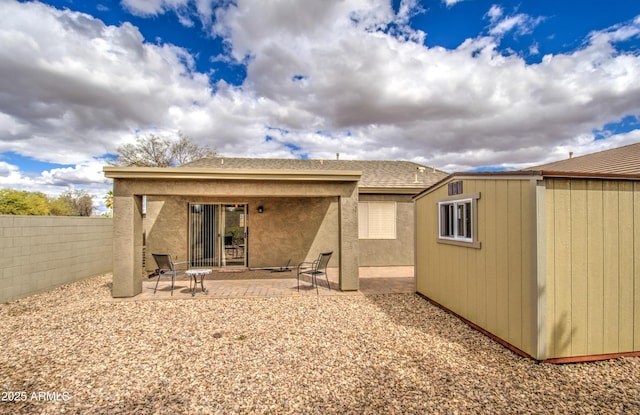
(528, 264)
(592, 267)
(490, 286)
(579, 286)
(581, 277)
(611, 263)
(502, 261)
(595, 268)
(489, 243)
(480, 266)
(515, 263)
(626, 262)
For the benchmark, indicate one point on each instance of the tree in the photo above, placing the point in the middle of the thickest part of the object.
(108, 201)
(60, 207)
(21, 202)
(78, 202)
(153, 151)
(69, 203)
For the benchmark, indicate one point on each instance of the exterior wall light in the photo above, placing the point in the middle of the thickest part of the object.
(260, 209)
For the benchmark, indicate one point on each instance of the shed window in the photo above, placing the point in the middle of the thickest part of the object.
(457, 220)
(377, 220)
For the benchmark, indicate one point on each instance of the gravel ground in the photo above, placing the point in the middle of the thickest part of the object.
(74, 350)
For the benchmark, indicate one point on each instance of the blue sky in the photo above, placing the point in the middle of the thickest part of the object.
(458, 85)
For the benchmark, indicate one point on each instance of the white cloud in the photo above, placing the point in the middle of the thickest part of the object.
(495, 13)
(520, 23)
(534, 49)
(330, 74)
(451, 3)
(322, 77)
(72, 86)
(83, 173)
(153, 7)
(87, 176)
(9, 174)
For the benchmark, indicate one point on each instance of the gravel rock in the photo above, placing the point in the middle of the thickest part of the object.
(76, 350)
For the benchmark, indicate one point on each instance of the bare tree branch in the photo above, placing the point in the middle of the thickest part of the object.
(153, 151)
(185, 150)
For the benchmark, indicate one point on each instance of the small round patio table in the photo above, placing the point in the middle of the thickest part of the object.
(197, 274)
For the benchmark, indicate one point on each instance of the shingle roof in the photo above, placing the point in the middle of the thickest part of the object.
(621, 161)
(375, 173)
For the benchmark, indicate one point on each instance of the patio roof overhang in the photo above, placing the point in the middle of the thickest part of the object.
(184, 173)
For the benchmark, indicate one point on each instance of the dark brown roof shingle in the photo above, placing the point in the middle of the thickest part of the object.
(621, 161)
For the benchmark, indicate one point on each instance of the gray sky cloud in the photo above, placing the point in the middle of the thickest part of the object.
(74, 84)
(440, 101)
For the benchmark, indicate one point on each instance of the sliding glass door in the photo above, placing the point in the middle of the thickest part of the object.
(234, 229)
(217, 235)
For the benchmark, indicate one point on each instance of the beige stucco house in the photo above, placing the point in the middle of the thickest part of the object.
(256, 213)
(546, 260)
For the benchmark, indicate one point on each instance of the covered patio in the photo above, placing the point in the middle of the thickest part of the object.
(287, 217)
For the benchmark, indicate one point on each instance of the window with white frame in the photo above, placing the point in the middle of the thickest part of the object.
(377, 220)
(456, 220)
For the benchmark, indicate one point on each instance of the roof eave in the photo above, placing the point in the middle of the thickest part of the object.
(531, 174)
(390, 190)
(187, 173)
(586, 175)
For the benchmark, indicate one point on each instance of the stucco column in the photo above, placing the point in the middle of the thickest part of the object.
(349, 246)
(127, 245)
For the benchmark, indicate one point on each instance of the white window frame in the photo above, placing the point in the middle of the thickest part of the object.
(370, 212)
(462, 220)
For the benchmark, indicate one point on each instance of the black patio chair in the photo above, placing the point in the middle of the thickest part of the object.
(166, 267)
(315, 268)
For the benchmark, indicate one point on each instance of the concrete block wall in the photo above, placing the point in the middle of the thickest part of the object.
(39, 253)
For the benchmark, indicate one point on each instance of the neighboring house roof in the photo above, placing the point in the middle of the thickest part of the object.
(377, 175)
(621, 161)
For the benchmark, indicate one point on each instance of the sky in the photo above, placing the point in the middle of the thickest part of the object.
(460, 85)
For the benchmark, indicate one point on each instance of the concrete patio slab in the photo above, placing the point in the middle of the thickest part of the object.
(263, 283)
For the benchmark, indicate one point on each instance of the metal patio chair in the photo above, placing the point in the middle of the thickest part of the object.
(166, 267)
(315, 268)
